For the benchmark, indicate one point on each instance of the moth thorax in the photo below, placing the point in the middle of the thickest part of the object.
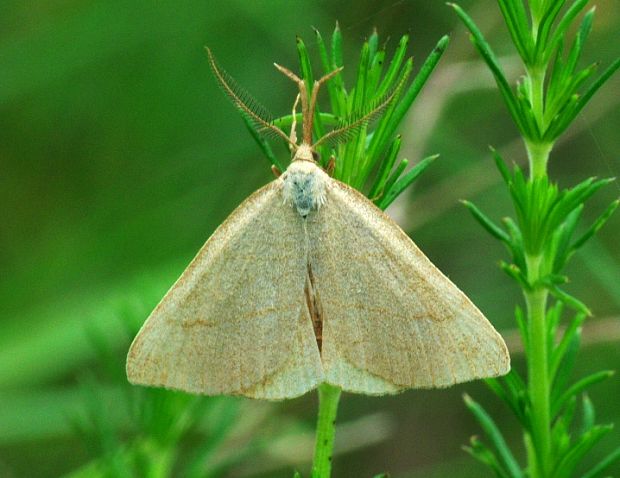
(304, 186)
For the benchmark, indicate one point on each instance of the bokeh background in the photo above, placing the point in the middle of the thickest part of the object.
(119, 156)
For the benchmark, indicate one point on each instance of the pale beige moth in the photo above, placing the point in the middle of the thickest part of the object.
(306, 282)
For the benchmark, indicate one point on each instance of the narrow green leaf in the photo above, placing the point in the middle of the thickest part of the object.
(487, 223)
(560, 100)
(323, 54)
(575, 454)
(598, 470)
(571, 199)
(555, 82)
(596, 226)
(308, 76)
(501, 166)
(563, 25)
(263, 144)
(580, 39)
(498, 389)
(377, 189)
(544, 29)
(389, 80)
(337, 48)
(562, 119)
(537, 8)
(405, 181)
(564, 371)
(568, 299)
(336, 62)
(374, 75)
(513, 271)
(396, 111)
(304, 62)
(588, 415)
(391, 180)
(488, 425)
(519, 191)
(419, 81)
(556, 279)
(522, 324)
(518, 27)
(373, 43)
(516, 243)
(560, 430)
(359, 93)
(578, 387)
(333, 93)
(563, 236)
(600, 81)
(554, 315)
(489, 57)
(558, 352)
(359, 172)
(480, 452)
(385, 128)
(511, 391)
(515, 383)
(284, 122)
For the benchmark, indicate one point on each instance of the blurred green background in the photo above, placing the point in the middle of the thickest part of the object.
(119, 156)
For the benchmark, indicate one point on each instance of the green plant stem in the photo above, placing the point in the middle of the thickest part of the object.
(538, 150)
(538, 370)
(536, 299)
(538, 155)
(325, 431)
(538, 379)
(537, 79)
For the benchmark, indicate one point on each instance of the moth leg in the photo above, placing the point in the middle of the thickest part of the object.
(276, 171)
(331, 165)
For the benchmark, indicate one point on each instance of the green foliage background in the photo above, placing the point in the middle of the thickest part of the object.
(119, 156)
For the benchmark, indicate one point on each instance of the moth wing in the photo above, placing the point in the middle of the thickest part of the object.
(391, 319)
(236, 322)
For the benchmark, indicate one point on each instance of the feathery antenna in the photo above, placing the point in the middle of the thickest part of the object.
(251, 108)
(351, 125)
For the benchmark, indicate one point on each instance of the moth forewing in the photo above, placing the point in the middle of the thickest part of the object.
(390, 314)
(234, 322)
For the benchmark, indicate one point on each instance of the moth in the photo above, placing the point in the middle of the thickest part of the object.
(307, 281)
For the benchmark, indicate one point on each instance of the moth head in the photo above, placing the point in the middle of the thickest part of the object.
(305, 152)
(304, 186)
